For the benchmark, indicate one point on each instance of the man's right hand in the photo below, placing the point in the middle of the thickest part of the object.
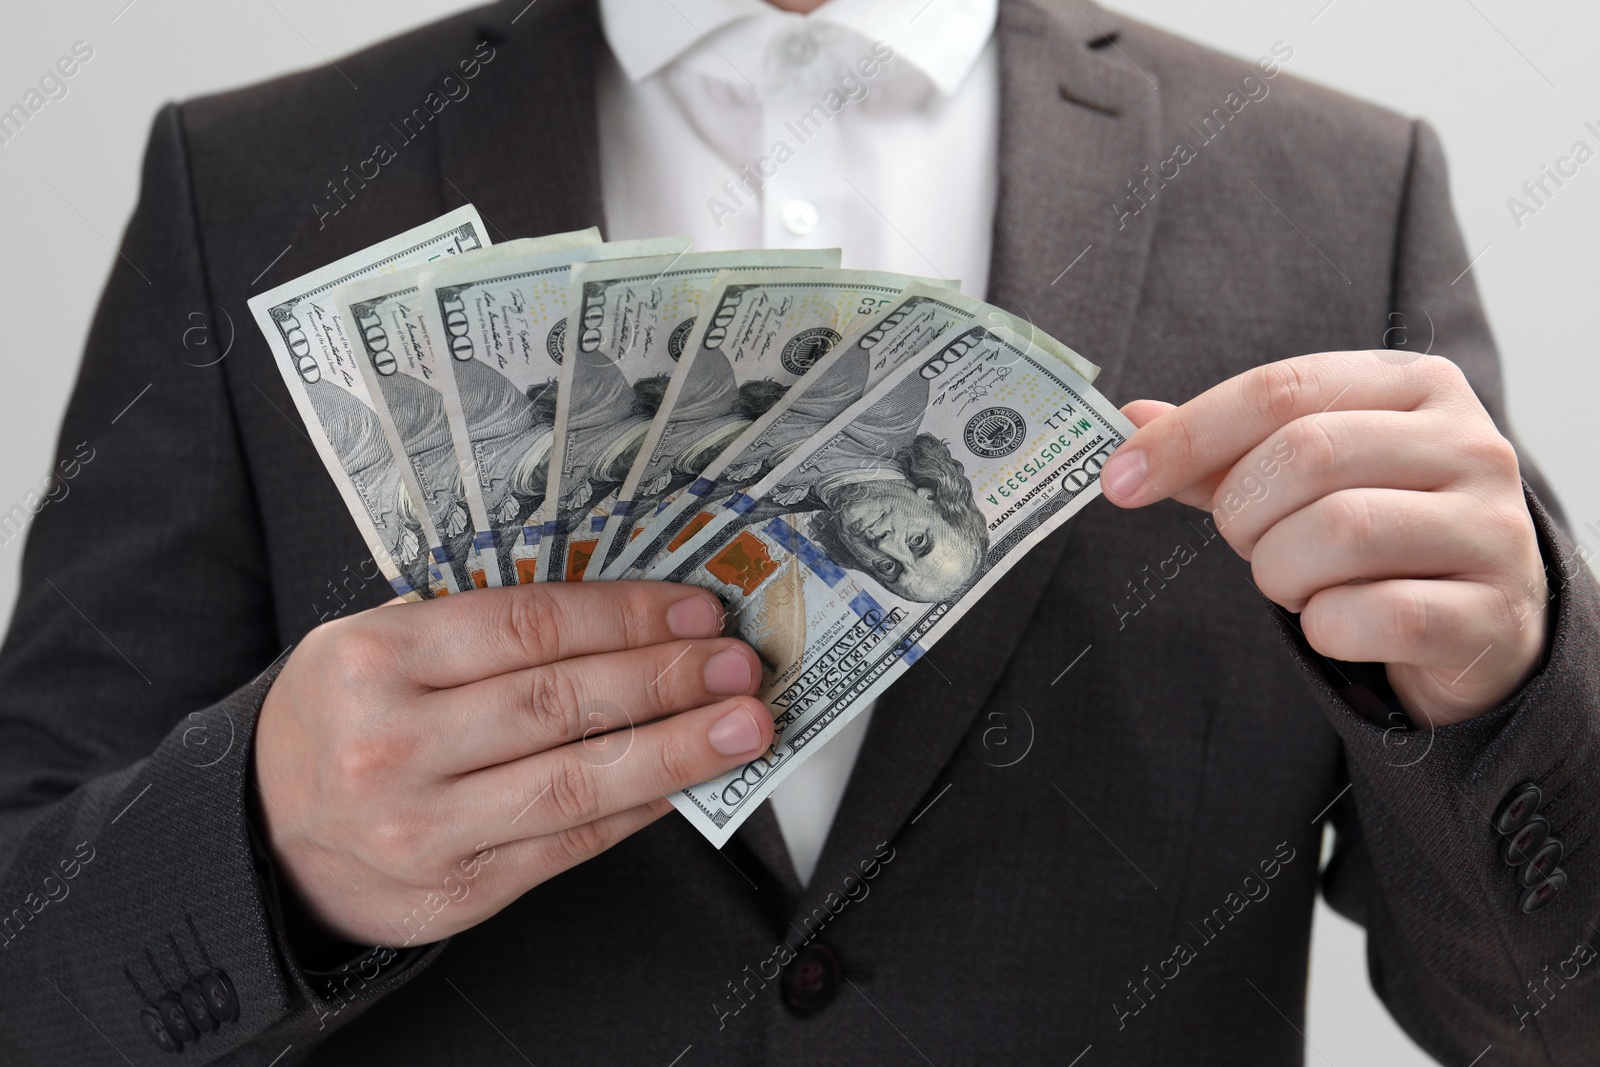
(542, 722)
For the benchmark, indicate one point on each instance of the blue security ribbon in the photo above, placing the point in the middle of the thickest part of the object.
(819, 562)
(864, 604)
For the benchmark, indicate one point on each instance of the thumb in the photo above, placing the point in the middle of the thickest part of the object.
(1143, 412)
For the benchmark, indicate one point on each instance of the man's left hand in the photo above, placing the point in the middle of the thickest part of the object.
(1373, 495)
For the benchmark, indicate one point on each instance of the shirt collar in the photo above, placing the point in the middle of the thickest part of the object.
(943, 38)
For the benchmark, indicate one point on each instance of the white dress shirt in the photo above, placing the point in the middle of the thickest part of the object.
(868, 125)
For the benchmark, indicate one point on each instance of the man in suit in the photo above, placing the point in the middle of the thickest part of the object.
(1083, 829)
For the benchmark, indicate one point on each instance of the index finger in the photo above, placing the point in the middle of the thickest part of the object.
(1202, 439)
(467, 637)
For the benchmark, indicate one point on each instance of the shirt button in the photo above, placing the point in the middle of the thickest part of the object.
(798, 49)
(799, 217)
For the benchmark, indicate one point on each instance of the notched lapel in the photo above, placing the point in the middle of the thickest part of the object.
(1076, 124)
(524, 148)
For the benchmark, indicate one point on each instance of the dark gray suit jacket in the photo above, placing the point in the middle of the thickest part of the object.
(1090, 817)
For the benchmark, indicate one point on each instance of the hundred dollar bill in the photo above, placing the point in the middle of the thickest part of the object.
(399, 358)
(756, 335)
(308, 340)
(503, 320)
(631, 319)
(913, 321)
(846, 563)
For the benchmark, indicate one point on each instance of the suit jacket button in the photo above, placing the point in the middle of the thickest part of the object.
(1517, 808)
(1543, 862)
(195, 1007)
(171, 1012)
(812, 979)
(1520, 846)
(152, 1025)
(220, 997)
(1543, 893)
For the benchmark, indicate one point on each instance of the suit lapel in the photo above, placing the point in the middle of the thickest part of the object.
(524, 148)
(1077, 123)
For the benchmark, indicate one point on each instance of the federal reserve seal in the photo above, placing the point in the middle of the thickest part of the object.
(552, 343)
(679, 337)
(995, 432)
(806, 347)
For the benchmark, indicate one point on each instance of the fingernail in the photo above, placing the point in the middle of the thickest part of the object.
(694, 616)
(728, 672)
(1124, 474)
(735, 734)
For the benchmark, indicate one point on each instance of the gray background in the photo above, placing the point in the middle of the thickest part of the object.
(1508, 83)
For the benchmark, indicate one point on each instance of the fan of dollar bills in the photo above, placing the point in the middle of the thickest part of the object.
(849, 459)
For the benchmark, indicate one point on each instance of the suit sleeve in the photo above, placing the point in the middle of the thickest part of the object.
(127, 702)
(1466, 949)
